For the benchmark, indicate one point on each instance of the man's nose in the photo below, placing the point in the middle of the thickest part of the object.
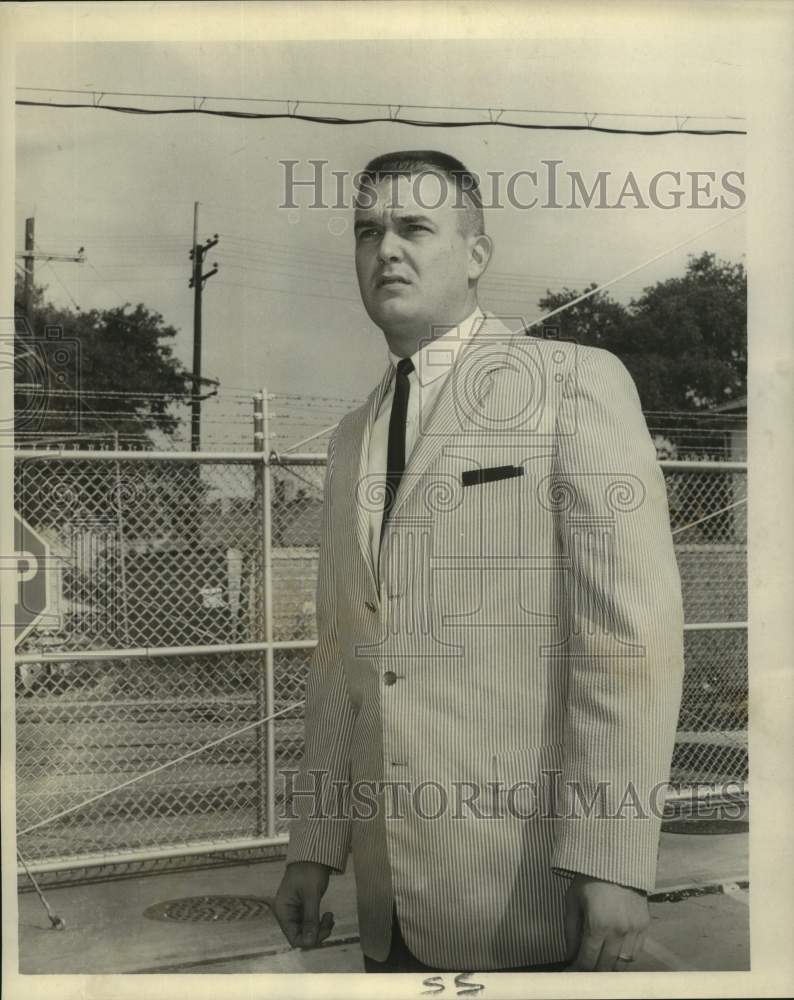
(389, 248)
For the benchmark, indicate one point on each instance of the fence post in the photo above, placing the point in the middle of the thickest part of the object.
(266, 750)
(119, 504)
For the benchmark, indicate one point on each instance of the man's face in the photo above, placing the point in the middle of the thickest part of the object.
(414, 263)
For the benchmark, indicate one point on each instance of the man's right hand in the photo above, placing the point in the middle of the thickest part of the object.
(297, 904)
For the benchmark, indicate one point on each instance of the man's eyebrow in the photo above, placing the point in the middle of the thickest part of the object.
(413, 218)
(360, 224)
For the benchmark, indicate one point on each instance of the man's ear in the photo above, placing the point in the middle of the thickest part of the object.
(480, 251)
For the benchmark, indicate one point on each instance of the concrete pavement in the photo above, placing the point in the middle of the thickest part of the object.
(107, 932)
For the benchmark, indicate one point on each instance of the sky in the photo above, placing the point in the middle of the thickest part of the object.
(283, 311)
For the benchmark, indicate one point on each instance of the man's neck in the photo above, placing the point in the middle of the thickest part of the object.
(404, 342)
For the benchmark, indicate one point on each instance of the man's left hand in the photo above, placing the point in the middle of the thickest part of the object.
(605, 925)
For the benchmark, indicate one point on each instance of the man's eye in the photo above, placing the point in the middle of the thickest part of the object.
(418, 227)
(367, 234)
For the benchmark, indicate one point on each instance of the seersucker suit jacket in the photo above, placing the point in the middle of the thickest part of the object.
(493, 706)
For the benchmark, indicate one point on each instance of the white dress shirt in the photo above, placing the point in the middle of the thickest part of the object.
(432, 365)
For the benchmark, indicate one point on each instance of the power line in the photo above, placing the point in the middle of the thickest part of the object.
(292, 105)
(365, 104)
(130, 280)
(289, 261)
(386, 113)
(63, 286)
(596, 290)
(344, 259)
(285, 255)
(496, 282)
(288, 291)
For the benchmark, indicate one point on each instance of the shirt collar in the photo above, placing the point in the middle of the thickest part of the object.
(438, 356)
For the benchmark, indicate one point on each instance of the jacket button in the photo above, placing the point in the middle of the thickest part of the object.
(390, 677)
(370, 606)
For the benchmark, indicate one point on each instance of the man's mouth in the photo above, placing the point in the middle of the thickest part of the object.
(391, 279)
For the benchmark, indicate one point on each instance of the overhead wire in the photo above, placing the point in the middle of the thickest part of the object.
(284, 262)
(363, 104)
(285, 291)
(393, 116)
(159, 768)
(293, 262)
(63, 286)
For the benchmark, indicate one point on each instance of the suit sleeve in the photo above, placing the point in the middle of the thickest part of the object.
(623, 656)
(320, 829)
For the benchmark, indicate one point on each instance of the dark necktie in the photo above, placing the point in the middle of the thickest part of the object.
(395, 458)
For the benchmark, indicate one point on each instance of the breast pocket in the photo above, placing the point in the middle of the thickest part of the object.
(484, 541)
(492, 474)
(496, 502)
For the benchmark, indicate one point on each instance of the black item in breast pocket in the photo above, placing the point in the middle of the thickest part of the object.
(475, 477)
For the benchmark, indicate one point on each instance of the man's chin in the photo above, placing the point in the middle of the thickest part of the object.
(393, 313)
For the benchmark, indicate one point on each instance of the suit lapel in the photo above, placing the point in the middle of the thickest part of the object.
(362, 496)
(461, 403)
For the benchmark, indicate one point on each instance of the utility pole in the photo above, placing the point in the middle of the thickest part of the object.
(197, 255)
(30, 254)
(30, 226)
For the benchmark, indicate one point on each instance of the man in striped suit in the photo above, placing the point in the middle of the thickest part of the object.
(491, 706)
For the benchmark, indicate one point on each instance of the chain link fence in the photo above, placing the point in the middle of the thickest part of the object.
(182, 613)
(708, 513)
(145, 552)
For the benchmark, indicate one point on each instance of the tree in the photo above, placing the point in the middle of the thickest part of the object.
(684, 340)
(114, 371)
(90, 376)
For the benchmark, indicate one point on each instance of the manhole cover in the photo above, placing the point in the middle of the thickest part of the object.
(206, 909)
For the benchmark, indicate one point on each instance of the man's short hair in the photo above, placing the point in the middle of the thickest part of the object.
(410, 163)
